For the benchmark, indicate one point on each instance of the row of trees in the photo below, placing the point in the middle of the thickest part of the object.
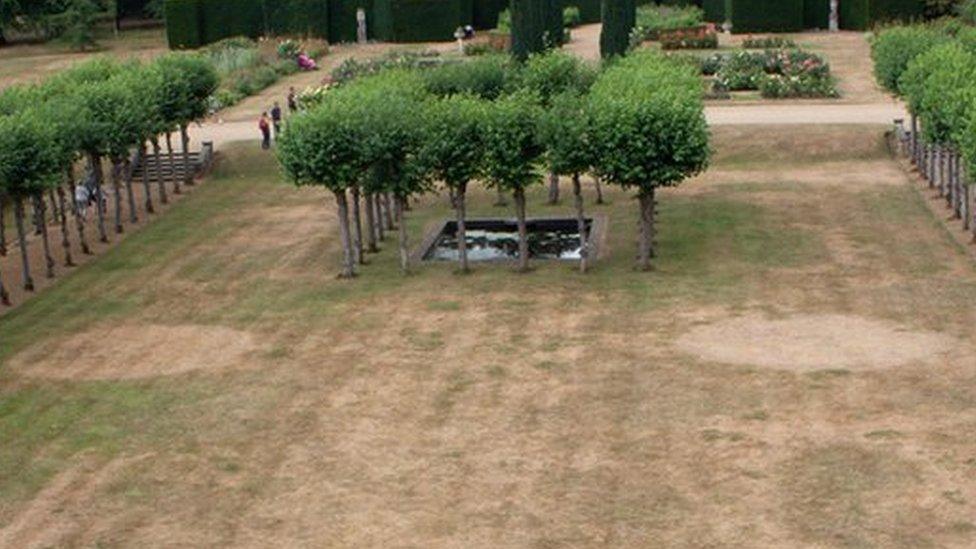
(94, 111)
(639, 124)
(933, 67)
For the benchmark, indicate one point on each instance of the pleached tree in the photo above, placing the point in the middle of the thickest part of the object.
(511, 152)
(451, 150)
(324, 148)
(568, 138)
(649, 132)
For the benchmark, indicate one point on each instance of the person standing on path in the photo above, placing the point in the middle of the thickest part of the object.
(265, 126)
(292, 101)
(276, 119)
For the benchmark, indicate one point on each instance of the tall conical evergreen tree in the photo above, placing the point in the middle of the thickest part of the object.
(536, 26)
(619, 19)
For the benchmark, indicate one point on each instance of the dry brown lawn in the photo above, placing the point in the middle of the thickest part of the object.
(798, 372)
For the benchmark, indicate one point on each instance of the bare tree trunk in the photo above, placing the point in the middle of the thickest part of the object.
(187, 167)
(117, 193)
(402, 235)
(79, 221)
(348, 261)
(646, 247)
(41, 208)
(144, 158)
(460, 207)
(553, 188)
(584, 235)
(370, 204)
(3, 226)
(388, 212)
(523, 259)
(599, 190)
(172, 163)
(914, 141)
(65, 235)
(22, 241)
(379, 217)
(500, 200)
(160, 180)
(55, 215)
(4, 296)
(95, 162)
(36, 219)
(357, 225)
(127, 173)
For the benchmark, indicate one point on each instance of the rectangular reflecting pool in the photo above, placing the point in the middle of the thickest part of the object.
(497, 239)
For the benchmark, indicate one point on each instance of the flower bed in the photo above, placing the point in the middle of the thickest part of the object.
(698, 38)
(775, 74)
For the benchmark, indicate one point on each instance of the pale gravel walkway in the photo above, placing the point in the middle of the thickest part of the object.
(762, 115)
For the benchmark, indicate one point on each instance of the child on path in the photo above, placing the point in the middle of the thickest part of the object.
(265, 126)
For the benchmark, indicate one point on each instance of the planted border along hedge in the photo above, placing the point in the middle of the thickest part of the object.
(767, 15)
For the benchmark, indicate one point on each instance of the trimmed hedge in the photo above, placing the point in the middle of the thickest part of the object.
(132, 8)
(226, 18)
(194, 23)
(816, 14)
(183, 24)
(714, 11)
(342, 19)
(485, 13)
(418, 20)
(862, 14)
(297, 17)
(767, 15)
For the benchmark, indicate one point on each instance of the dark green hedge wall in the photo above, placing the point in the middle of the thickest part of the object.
(132, 9)
(863, 14)
(193, 23)
(418, 20)
(297, 17)
(816, 14)
(888, 10)
(342, 19)
(767, 15)
(225, 18)
(183, 24)
(714, 10)
(486, 13)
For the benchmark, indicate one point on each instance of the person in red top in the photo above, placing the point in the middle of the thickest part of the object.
(265, 126)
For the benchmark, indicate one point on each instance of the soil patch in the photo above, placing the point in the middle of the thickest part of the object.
(139, 351)
(812, 342)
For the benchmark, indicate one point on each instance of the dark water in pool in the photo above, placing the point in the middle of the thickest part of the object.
(490, 240)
